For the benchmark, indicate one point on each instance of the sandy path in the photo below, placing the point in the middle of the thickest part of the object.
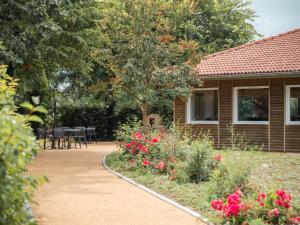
(81, 192)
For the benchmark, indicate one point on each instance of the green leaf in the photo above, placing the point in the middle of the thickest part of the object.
(35, 118)
(27, 105)
(40, 109)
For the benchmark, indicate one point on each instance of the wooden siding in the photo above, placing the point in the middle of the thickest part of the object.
(277, 136)
(225, 110)
(277, 114)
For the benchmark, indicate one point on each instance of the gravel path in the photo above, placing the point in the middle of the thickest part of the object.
(82, 192)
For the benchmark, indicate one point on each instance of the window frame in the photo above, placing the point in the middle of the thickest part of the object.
(235, 106)
(188, 108)
(287, 105)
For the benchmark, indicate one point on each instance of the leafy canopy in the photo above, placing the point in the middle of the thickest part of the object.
(148, 52)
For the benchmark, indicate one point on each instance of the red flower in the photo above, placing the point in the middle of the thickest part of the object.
(262, 204)
(280, 193)
(146, 162)
(233, 199)
(231, 210)
(161, 165)
(286, 205)
(128, 145)
(154, 140)
(142, 148)
(260, 197)
(295, 220)
(273, 212)
(138, 135)
(218, 157)
(217, 204)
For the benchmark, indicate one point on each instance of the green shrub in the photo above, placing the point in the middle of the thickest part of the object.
(225, 180)
(18, 147)
(199, 159)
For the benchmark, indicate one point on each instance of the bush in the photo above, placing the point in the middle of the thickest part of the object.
(17, 149)
(224, 180)
(272, 208)
(199, 159)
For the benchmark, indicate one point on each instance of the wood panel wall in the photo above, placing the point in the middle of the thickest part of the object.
(277, 136)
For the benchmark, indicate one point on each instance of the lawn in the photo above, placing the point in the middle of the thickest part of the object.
(269, 172)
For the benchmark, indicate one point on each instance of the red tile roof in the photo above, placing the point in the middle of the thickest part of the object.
(276, 54)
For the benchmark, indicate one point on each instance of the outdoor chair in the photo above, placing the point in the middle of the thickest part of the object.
(58, 134)
(66, 133)
(42, 133)
(91, 132)
(79, 134)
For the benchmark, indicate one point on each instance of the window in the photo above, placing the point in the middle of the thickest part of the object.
(202, 107)
(251, 105)
(293, 104)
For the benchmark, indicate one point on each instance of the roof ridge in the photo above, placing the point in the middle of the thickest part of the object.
(250, 44)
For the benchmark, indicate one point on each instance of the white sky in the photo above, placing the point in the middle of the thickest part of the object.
(276, 16)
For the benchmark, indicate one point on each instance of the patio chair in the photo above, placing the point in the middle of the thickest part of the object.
(42, 133)
(78, 135)
(58, 134)
(91, 132)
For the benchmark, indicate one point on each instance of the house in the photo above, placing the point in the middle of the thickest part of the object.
(255, 87)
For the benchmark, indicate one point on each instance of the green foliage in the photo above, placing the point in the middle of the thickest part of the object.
(18, 147)
(43, 40)
(199, 159)
(238, 142)
(148, 61)
(225, 180)
(223, 24)
(124, 132)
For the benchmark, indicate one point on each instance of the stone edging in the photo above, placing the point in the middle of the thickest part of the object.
(163, 198)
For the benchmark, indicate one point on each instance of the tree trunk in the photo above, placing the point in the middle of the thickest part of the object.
(145, 115)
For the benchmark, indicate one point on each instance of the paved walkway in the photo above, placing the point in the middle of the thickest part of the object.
(82, 192)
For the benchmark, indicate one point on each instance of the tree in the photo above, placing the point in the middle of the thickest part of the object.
(149, 51)
(223, 24)
(45, 39)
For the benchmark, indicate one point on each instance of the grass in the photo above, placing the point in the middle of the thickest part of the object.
(269, 171)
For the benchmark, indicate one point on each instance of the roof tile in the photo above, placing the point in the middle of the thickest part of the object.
(280, 53)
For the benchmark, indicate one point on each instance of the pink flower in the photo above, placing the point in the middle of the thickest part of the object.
(161, 165)
(218, 157)
(142, 148)
(233, 199)
(138, 135)
(217, 204)
(295, 220)
(146, 162)
(231, 210)
(273, 212)
(154, 140)
(128, 145)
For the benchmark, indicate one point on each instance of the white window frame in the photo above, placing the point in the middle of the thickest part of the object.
(287, 105)
(235, 106)
(188, 108)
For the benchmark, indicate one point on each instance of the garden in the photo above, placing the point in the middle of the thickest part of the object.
(99, 63)
(239, 184)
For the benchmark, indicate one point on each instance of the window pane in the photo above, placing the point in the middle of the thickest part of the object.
(253, 104)
(204, 105)
(294, 104)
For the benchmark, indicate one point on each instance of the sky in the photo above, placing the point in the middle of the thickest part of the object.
(276, 16)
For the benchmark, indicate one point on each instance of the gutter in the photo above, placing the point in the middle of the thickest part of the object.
(249, 75)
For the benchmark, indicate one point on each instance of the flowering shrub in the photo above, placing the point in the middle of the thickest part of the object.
(272, 208)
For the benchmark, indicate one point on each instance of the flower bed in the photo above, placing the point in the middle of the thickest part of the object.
(198, 176)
